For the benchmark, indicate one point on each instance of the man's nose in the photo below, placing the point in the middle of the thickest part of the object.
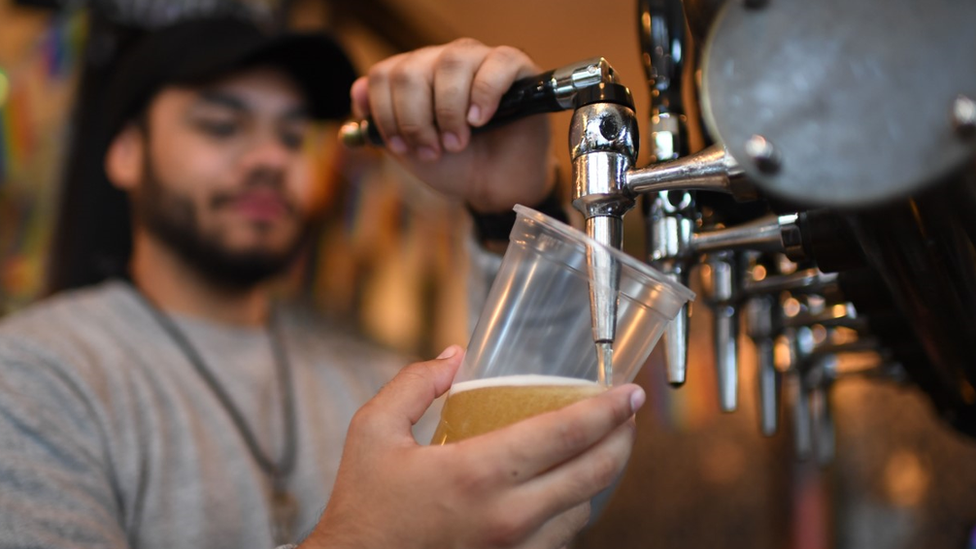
(268, 150)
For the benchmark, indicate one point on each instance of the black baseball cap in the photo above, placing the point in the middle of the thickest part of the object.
(200, 50)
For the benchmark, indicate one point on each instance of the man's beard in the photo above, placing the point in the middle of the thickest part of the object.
(174, 220)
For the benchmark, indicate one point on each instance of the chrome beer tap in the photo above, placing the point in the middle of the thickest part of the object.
(670, 217)
(670, 226)
(720, 286)
(763, 321)
(603, 140)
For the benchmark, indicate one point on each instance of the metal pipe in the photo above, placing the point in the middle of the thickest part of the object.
(768, 234)
(711, 169)
(803, 280)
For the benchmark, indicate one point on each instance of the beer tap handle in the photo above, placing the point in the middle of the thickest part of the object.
(551, 91)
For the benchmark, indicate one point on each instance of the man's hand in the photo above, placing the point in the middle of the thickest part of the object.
(425, 103)
(527, 485)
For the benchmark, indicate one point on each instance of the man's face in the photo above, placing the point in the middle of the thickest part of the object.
(225, 182)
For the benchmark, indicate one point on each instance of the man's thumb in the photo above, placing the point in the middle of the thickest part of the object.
(408, 395)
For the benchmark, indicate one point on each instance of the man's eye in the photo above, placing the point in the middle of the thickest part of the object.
(218, 128)
(292, 140)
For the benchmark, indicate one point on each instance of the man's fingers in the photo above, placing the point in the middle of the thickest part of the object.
(538, 444)
(453, 75)
(359, 94)
(401, 403)
(560, 529)
(412, 83)
(381, 104)
(501, 67)
(582, 477)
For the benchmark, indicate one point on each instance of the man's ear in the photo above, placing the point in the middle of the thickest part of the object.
(124, 158)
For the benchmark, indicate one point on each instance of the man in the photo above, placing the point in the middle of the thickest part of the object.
(181, 408)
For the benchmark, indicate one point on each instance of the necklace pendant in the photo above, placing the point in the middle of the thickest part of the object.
(284, 511)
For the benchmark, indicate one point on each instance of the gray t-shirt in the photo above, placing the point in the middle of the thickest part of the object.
(110, 438)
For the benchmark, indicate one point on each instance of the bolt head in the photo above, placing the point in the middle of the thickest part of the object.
(763, 154)
(964, 116)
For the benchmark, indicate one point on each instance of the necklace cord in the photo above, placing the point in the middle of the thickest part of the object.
(279, 472)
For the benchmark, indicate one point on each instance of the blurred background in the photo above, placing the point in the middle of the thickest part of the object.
(392, 259)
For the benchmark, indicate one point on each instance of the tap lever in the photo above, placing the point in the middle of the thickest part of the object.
(551, 91)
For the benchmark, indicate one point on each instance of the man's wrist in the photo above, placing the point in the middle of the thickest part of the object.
(492, 229)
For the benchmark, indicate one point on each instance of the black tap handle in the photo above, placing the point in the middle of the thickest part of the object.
(527, 96)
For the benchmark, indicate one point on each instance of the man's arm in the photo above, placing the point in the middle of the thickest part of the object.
(527, 485)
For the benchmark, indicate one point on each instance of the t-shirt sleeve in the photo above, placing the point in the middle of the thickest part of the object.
(56, 487)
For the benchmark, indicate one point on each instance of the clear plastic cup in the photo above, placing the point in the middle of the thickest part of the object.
(532, 350)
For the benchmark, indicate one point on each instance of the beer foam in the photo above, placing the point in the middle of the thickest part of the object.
(523, 380)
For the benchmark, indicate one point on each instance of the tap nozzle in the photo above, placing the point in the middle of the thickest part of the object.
(761, 326)
(719, 284)
(676, 345)
(604, 286)
(603, 142)
(802, 420)
(670, 227)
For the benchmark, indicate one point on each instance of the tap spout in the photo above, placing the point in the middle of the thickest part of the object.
(711, 169)
(604, 287)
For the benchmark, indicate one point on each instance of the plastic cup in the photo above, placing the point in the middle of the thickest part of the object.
(532, 350)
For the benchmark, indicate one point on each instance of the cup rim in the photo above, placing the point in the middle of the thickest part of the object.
(679, 290)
